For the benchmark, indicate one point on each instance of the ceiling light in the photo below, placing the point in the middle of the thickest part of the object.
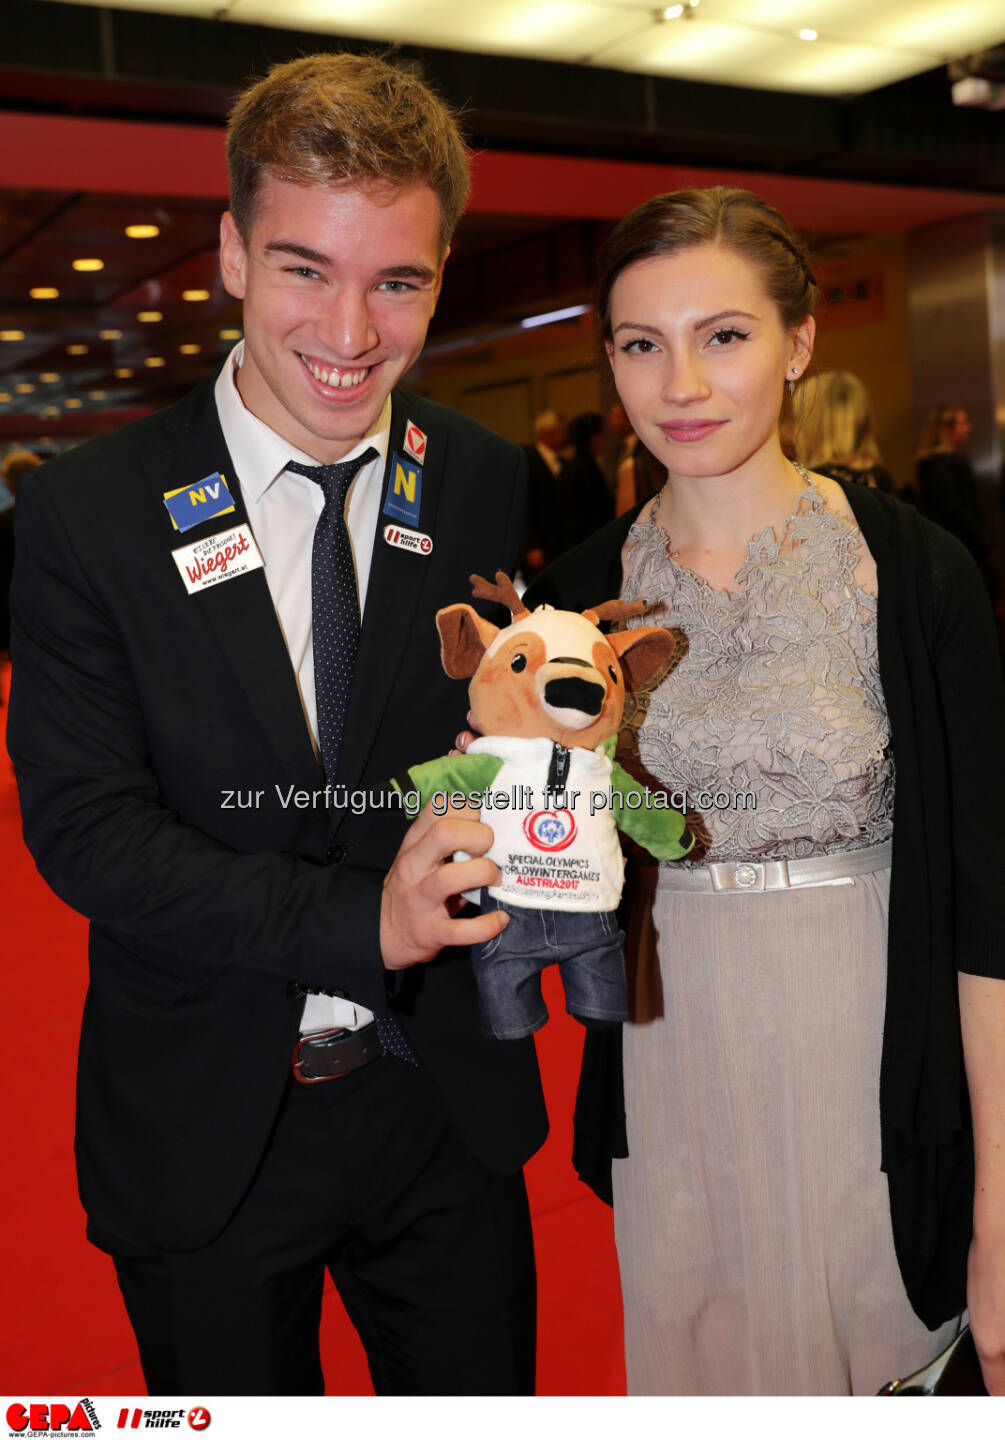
(142, 232)
(88, 264)
(673, 12)
(5, 396)
(44, 292)
(96, 395)
(807, 35)
(189, 349)
(76, 349)
(73, 403)
(149, 317)
(51, 411)
(551, 316)
(49, 377)
(124, 373)
(109, 334)
(195, 294)
(25, 388)
(11, 334)
(230, 334)
(155, 361)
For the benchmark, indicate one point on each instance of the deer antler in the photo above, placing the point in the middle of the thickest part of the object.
(616, 610)
(502, 592)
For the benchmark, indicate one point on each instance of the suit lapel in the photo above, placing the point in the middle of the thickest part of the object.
(240, 611)
(394, 589)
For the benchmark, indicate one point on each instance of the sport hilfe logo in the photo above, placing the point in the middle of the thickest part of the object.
(408, 539)
(198, 1418)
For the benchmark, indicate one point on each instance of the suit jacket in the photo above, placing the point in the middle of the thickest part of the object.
(160, 746)
(942, 684)
(542, 522)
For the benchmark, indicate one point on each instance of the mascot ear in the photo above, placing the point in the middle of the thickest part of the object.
(464, 638)
(646, 653)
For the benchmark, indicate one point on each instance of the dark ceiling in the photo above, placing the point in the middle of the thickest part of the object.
(87, 352)
(72, 60)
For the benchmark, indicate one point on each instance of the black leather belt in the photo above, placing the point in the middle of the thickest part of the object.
(329, 1054)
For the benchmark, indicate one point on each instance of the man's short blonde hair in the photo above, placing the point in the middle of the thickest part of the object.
(345, 120)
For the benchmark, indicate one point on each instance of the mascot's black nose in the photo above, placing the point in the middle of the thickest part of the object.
(570, 693)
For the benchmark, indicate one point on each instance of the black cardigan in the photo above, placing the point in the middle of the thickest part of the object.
(942, 681)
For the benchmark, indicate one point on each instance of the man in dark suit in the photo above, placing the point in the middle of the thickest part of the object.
(543, 522)
(15, 464)
(281, 1069)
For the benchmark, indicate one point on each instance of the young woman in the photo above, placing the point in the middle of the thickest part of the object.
(796, 1013)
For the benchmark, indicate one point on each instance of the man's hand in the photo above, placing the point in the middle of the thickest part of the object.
(422, 886)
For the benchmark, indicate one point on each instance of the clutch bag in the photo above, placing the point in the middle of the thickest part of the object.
(957, 1371)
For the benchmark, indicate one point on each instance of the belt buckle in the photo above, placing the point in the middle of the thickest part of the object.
(741, 875)
(296, 1064)
(361, 1058)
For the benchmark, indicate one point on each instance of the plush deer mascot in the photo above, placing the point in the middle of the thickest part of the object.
(547, 693)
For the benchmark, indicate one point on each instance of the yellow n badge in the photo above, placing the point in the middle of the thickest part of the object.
(404, 489)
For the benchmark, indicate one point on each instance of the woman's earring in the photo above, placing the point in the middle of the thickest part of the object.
(792, 383)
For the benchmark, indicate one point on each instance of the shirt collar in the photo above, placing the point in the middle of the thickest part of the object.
(259, 454)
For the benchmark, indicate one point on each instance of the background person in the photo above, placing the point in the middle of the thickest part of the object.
(778, 1231)
(281, 1069)
(585, 502)
(640, 476)
(542, 539)
(947, 486)
(15, 464)
(833, 431)
(620, 443)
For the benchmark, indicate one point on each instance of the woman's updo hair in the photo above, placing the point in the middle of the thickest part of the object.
(736, 219)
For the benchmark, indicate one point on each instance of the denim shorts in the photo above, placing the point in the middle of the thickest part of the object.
(587, 946)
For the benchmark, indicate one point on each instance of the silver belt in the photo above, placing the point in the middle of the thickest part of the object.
(750, 876)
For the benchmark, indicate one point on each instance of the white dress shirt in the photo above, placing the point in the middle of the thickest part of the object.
(283, 510)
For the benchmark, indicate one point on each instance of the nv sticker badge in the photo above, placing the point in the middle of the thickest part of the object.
(192, 504)
(404, 489)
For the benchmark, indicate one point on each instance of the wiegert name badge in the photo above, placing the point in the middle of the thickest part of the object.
(218, 557)
(192, 504)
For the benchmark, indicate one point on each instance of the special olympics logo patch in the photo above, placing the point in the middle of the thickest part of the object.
(550, 829)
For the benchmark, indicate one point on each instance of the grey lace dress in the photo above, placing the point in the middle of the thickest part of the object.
(752, 1219)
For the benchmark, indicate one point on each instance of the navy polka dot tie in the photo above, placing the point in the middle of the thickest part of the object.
(335, 628)
(334, 604)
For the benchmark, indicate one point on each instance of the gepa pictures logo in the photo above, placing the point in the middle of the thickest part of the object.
(55, 1418)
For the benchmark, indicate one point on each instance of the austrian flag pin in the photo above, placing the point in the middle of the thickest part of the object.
(415, 442)
(413, 540)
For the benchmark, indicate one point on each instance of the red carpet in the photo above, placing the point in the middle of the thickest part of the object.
(64, 1328)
